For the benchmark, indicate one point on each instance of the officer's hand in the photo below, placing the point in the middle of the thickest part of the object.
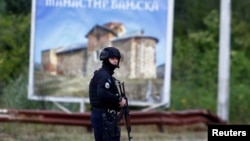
(123, 102)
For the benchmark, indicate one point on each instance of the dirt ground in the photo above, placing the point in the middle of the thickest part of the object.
(41, 132)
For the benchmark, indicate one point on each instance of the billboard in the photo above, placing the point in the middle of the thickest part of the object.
(68, 35)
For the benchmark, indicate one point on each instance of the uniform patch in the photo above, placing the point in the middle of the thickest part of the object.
(107, 85)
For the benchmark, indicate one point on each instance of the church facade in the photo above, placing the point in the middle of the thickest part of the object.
(138, 53)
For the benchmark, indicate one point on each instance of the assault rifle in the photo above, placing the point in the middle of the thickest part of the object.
(124, 111)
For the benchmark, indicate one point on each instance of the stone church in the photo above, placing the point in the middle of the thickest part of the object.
(137, 50)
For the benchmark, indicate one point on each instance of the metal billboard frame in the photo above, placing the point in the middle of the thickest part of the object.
(82, 101)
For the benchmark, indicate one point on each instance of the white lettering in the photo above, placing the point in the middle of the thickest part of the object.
(101, 4)
(64, 3)
(136, 5)
(49, 2)
(153, 7)
(244, 133)
(216, 132)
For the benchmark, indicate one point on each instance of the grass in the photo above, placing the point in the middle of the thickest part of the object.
(41, 132)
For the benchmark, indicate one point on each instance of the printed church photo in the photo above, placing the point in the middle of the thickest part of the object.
(138, 53)
(69, 66)
(67, 39)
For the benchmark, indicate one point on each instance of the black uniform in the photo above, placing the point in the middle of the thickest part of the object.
(104, 99)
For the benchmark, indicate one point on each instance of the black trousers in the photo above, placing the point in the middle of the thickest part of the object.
(105, 129)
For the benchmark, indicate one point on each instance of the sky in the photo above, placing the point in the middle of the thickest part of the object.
(66, 22)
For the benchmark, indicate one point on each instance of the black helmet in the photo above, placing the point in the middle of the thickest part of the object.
(110, 52)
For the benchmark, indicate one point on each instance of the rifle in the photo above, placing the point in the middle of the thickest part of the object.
(124, 111)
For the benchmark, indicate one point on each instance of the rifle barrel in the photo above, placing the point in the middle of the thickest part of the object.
(125, 111)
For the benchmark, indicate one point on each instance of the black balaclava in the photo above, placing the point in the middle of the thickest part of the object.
(106, 54)
(109, 65)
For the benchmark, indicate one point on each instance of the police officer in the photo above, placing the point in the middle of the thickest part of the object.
(104, 97)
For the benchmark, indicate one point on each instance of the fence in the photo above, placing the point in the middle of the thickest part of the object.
(158, 118)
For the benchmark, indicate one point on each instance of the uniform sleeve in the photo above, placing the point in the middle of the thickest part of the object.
(102, 92)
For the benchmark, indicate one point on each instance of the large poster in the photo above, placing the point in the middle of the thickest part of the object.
(68, 35)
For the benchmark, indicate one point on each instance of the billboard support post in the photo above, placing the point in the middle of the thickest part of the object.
(224, 60)
(165, 94)
(168, 62)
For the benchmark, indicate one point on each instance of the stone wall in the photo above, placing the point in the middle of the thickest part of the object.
(72, 63)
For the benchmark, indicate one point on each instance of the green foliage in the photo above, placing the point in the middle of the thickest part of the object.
(17, 7)
(186, 97)
(240, 68)
(14, 46)
(240, 52)
(195, 56)
(189, 15)
(239, 104)
(195, 65)
(15, 94)
(240, 10)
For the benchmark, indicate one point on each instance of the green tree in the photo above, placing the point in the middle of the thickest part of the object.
(195, 64)
(16, 7)
(189, 15)
(14, 40)
(14, 46)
